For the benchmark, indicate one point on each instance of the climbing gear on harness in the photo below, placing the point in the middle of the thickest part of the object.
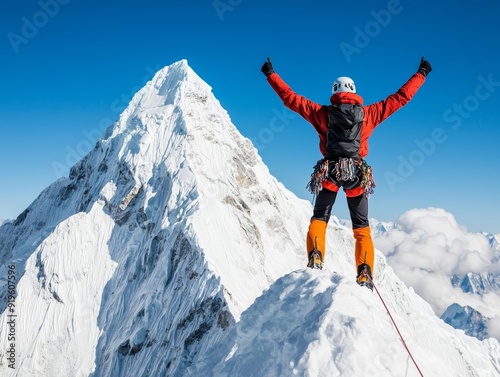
(320, 174)
(367, 182)
(345, 169)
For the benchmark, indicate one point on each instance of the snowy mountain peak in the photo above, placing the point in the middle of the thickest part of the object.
(477, 283)
(164, 89)
(172, 203)
(467, 319)
(152, 254)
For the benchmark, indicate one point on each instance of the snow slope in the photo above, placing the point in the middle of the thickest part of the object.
(312, 323)
(151, 259)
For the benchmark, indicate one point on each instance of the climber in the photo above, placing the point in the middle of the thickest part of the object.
(344, 127)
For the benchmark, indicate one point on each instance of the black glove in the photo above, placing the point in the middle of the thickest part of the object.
(425, 67)
(267, 68)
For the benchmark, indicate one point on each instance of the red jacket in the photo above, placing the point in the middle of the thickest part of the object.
(374, 114)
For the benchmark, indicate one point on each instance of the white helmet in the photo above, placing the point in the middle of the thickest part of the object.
(343, 84)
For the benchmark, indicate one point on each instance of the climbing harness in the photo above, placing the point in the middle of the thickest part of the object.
(346, 169)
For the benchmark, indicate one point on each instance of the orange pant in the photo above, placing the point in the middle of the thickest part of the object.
(364, 251)
(316, 237)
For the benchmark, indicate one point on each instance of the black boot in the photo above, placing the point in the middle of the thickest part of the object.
(364, 277)
(315, 261)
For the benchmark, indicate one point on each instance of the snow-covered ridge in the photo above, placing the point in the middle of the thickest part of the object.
(312, 323)
(477, 283)
(467, 319)
(152, 256)
(182, 206)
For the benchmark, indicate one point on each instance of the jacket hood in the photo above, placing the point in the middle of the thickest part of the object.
(346, 97)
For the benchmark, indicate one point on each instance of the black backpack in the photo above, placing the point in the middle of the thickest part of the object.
(344, 131)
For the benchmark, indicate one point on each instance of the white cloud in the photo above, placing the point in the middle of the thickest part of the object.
(432, 240)
(494, 327)
(427, 247)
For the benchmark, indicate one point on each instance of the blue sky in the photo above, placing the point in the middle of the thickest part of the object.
(70, 67)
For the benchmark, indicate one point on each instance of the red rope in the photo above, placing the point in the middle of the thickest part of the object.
(396, 326)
